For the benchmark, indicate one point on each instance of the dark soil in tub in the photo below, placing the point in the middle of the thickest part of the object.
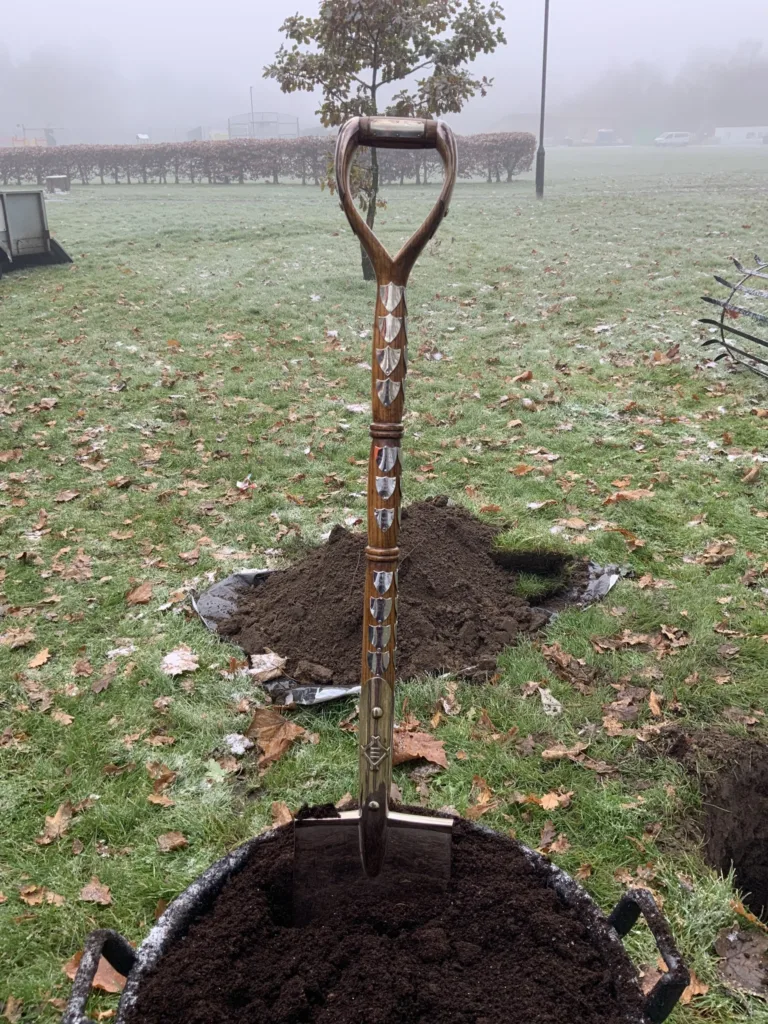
(457, 607)
(734, 780)
(499, 946)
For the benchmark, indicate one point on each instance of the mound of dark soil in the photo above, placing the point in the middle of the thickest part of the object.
(734, 778)
(499, 946)
(456, 606)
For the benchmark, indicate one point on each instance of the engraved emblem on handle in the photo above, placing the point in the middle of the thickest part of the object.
(384, 517)
(389, 327)
(378, 636)
(388, 358)
(386, 458)
(375, 752)
(378, 661)
(382, 581)
(381, 608)
(387, 390)
(391, 295)
(385, 486)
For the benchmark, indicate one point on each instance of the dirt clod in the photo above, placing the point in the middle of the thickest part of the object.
(456, 605)
(500, 946)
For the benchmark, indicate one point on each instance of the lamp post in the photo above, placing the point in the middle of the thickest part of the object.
(541, 155)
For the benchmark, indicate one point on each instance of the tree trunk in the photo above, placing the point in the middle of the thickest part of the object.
(369, 274)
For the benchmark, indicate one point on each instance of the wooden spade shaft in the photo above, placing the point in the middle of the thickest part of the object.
(389, 367)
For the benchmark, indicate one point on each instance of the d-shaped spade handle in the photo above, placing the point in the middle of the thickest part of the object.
(394, 133)
(389, 362)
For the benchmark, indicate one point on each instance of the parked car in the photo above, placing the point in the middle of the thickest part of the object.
(674, 139)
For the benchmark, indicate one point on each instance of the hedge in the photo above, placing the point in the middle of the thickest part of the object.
(496, 157)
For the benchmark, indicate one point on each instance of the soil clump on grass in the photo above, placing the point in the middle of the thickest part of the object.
(499, 946)
(733, 773)
(457, 608)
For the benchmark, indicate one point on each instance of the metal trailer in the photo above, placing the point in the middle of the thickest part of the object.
(24, 236)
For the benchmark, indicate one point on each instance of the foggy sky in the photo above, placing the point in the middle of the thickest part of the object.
(101, 71)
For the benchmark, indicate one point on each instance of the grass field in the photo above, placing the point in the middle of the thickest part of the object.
(192, 344)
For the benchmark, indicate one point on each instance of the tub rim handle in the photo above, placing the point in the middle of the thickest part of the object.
(663, 997)
(118, 953)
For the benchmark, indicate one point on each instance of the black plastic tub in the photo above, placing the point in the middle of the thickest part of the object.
(195, 900)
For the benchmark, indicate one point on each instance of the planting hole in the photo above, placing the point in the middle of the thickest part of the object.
(736, 823)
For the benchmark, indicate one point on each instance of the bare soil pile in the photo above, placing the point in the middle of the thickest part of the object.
(500, 946)
(456, 608)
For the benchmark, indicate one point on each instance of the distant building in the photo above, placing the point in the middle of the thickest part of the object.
(141, 137)
(742, 136)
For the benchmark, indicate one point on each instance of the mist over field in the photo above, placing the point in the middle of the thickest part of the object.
(95, 72)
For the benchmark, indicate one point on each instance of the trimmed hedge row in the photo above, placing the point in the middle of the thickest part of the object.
(496, 157)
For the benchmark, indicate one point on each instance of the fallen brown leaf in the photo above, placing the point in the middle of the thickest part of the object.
(161, 800)
(13, 1009)
(106, 979)
(273, 733)
(140, 595)
(410, 746)
(82, 668)
(170, 841)
(281, 814)
(56, 825)
(95, 892)
(67, 496)
(107, 675)
(180, 660)
(481, 799)
(14, 638)
(560, 750)
(635, 495)
(695, 988)
(62, 717)
(39, 659)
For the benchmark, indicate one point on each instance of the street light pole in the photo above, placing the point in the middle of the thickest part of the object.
(541, 155)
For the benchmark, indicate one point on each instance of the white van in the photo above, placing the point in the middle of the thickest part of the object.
(674, 139)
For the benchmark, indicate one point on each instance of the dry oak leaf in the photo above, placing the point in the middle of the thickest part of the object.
(554, 801)
(82, 668)
(654, 703)
(560, 750)
(39, 659)
(522, 377)
(95, 892)
(106, 979)
(62, 717)
(108, 674)
(12, 1009)
(695, 988)
(35, 895)
(273, 733)
(751, 475)
(67, 496)
(481, 799)
(56, 825)
(140, 595)
(410, 746)
(170, 841)
(634, 495)
(180, 660)
(281, 814)
(16, 638)
(11, 455)
(161, 800)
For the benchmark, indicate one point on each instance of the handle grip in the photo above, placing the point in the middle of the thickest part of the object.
(663, 997)
(394, 133)
(397, 132)
(116, 950)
